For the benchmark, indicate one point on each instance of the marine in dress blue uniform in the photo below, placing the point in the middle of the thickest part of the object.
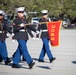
(21, 36)
(45, 38)
(3, 29)
(32, 36)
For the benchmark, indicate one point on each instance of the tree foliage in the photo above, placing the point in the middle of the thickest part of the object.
(55, 7)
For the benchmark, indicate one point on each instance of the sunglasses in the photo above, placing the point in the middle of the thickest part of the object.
(20, 11)
(1, 14)
(44, 14)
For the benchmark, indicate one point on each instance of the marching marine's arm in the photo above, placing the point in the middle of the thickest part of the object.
(31, 27)
(30, 33)
(39, 26)
(38, 30)
(7, 28)
(16, 26)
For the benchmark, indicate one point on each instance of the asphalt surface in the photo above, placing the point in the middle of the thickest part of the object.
(65, 63)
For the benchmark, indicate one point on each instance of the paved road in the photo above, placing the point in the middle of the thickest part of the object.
(65, 63)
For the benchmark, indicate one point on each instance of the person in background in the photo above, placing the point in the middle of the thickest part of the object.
(45, 38)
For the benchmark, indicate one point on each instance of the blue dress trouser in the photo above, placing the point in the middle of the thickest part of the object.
(3, 51)
(23, 49)
(45, 49)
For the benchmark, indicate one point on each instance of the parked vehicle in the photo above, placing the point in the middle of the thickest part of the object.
(35, 20)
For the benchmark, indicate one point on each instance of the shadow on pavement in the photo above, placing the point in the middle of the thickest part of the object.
(44, 67)
(74, 62)
(36, 59)
(10, 64)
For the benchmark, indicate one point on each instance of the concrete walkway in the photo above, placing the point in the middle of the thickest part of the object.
(65, 63)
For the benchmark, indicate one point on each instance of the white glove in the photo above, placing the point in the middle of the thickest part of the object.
(33, 38)
(7, 34)
(13, 34)
(14, 40)
(37, 38)
(37, 32)
(22, 25)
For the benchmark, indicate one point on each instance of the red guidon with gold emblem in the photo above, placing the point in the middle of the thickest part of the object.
(54, 32)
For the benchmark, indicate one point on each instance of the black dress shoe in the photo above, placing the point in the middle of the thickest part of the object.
(52, 59)
(31, 64)
(40, 60)
(7, 61)
(15, 66)
(1, 60)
